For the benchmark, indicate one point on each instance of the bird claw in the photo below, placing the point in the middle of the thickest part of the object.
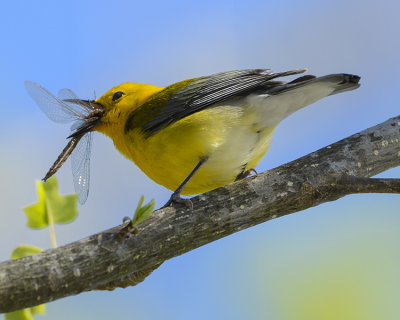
(176, 198)
(245, 174)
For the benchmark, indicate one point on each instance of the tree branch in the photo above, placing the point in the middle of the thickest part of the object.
(102, 262)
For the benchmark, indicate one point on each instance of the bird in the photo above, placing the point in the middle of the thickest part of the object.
(203, 133)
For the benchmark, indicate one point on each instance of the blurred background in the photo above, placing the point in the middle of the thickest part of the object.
(339, 260)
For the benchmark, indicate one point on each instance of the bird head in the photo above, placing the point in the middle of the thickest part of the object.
(119, 102)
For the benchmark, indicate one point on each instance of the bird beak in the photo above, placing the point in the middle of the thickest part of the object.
(96, 113)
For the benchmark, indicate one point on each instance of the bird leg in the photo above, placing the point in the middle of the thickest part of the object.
(176, 196)
(245, 174)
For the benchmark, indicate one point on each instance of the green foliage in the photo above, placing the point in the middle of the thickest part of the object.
(24, 250)
(28, 313)
(25, 314)
(142, 213)
(51, 205)
(50, 208)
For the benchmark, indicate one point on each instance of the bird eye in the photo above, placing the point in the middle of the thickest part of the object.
(117, 95)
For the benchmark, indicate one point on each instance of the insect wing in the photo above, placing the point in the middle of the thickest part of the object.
(77, 124)
(54, 108)
(80, 162)
(71, 99)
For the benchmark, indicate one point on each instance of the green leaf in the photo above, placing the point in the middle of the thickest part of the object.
(36, 214)
(40, 309)
(24, 250)
(28, 313)
(63, 209)
(24, 314)
(142, 213)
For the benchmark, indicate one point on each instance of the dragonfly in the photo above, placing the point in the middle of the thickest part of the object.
(85, 115)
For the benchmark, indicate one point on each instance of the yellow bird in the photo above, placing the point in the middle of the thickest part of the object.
(203, 133)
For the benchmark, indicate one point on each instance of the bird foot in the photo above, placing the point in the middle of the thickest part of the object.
(245, 174)
(176, 198)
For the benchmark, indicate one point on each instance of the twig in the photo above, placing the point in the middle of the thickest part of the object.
(101, 262)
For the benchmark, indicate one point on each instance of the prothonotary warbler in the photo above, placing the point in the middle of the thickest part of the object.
(192, 136)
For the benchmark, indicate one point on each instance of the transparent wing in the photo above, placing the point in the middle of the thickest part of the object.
(80, 162)
(77, 124)
(71, 99)
(55, 109)
(67, 94)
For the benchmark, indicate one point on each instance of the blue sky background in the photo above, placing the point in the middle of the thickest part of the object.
(339, 260)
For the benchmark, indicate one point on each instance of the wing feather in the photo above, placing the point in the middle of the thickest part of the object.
(206, 91)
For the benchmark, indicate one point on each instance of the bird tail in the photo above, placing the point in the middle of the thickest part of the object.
(340, 82)
(280, 100)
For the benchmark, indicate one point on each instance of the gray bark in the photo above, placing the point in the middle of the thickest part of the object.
(107, 260)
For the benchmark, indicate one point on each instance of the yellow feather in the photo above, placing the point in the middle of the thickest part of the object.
(233, 134)
(168, 156)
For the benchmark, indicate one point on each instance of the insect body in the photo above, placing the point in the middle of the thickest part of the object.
(85, 114)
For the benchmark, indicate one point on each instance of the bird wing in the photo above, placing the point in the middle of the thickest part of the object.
(185, 98)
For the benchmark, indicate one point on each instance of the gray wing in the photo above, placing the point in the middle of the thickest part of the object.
(206, 91)
(339, 82)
